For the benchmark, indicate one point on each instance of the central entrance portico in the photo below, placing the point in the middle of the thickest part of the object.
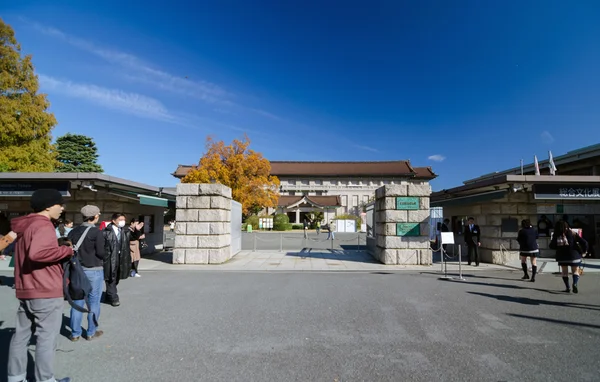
(297, 207)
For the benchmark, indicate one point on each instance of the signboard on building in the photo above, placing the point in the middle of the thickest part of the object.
(24, 189)
(408, 229)
(567, 191)
(407, 203)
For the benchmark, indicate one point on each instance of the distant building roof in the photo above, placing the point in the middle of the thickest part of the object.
(97, 179)
(576, 162)
(401, 168)
(317, 201)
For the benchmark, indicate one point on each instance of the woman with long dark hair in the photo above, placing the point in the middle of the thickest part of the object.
(528, 247)
(569, 249)
(135, 245)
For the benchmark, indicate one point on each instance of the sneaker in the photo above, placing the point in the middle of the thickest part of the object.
(64, 380)
(137, 275)
(95, 335)
(74, 339)
(568, 290)
(132, 274)
(575, 290)
(115, 303)
(525, 277)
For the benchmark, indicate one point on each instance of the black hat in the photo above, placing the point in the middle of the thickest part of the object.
(44, 198)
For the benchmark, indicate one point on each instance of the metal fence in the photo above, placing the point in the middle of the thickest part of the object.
(285, 241)
(236, 227)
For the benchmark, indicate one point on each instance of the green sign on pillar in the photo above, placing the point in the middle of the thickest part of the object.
(408, 229)
(407, 203)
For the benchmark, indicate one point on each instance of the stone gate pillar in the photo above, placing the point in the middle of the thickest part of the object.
(402, 224)
(203, 224)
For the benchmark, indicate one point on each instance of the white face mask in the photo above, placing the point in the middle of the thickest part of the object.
(122, 223)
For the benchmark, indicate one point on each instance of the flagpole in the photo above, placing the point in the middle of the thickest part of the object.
(521, 166)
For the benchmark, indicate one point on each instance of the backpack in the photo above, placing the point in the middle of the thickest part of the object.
(76, 285)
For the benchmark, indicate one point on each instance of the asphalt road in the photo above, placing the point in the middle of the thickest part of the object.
(361, 326)
(294, 241)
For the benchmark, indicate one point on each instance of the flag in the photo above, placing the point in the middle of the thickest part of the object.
(551, 163)
(537, 166)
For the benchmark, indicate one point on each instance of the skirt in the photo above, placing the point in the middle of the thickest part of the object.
(570, 263)
(530, 254)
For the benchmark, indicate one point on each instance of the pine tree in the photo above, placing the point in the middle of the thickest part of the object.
(77, 153)
(25, 123)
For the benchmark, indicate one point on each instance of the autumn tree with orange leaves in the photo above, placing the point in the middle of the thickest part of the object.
(245, 171)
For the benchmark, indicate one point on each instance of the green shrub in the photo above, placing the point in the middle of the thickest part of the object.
(253, 220)
(298, 226)
(281, 223)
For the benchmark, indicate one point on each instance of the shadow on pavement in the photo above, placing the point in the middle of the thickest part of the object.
(334, 254)
(532, 301)
(553, 321)
(507, 286)
(164, 257)
(5, 337)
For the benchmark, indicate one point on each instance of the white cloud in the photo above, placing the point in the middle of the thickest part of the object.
(144, 72)
(547, 137)
(366, 148)
(437, 158)
(116, 99)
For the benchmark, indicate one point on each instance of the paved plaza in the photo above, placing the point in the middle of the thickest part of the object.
(371, 325)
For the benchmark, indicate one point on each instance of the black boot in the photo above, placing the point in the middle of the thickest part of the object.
(533, 272)
(526, 275)
(566, 281)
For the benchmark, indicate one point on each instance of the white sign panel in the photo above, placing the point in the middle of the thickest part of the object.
(447, 237)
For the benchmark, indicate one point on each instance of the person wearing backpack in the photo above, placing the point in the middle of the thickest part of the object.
(39, 287)
(117, 263)
(91, 255)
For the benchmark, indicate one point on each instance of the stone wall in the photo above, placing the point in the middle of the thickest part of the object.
(497, 246)
(393, 247)
(203, 225)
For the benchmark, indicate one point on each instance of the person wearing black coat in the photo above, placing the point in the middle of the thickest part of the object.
(569, 249)
(473, 241)
(528, 247)
(117, 261)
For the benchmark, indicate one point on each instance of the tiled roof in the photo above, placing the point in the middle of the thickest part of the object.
(319, 201)
(354, 169)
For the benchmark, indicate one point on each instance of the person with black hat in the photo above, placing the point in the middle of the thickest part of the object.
(39, 287)
(91, 253)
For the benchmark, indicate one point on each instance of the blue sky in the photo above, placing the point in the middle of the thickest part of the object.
(467, 87)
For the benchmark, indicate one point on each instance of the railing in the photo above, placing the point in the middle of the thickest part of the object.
(284, 241)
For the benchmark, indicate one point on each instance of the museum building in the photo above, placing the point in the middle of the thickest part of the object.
(333, 187)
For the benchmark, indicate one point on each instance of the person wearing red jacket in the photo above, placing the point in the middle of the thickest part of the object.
(39, 287)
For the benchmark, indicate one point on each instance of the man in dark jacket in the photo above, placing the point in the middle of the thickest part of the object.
(117, 262)
(473, 241)
(39, 287)
(91, 255)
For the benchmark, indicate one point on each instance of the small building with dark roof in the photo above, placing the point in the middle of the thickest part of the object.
(500, 200)
(110, 194)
